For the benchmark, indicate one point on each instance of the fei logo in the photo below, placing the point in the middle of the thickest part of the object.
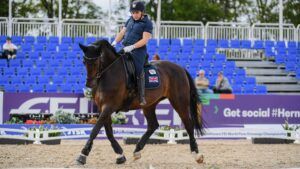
(52, 104)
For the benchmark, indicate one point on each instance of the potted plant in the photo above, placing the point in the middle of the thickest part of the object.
(289, 128)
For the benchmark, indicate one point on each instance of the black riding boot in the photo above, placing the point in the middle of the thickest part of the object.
(141, 88)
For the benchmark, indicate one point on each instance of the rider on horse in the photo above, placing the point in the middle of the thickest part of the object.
(135, 34)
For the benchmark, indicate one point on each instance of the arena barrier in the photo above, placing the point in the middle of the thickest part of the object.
(169, 135)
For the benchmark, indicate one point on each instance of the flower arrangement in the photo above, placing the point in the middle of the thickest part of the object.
(62, 117)
(119, 118)
(286, 126)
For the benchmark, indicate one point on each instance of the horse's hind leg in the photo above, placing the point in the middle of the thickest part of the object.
(150, 115)
(183, 111)
(115, 145)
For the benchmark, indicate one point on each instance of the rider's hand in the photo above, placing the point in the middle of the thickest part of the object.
(128, 49)
(87, 92)
(114, 43)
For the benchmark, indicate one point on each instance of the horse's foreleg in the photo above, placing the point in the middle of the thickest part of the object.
(88, 146)
(115, 145)
(152, 126)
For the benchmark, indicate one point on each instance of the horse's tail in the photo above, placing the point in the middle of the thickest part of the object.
(195, 107)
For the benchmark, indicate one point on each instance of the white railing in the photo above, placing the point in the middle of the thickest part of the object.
(227, 30)
(178, 29)
(271, 31)
(169, 135)
(84, 27)
(3, 26)
(34, 27)
(298, 33)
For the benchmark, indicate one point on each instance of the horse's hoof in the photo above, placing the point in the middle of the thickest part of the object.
(137, 155)
(199, 158)
(121, 159)
(81, 159)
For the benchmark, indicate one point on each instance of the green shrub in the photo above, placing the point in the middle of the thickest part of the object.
(62, 117)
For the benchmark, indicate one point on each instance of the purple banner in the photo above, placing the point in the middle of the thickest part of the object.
(218, 110)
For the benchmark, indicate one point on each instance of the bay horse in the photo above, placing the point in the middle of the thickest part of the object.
(107, 77)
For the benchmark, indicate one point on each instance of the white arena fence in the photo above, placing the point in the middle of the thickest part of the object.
(167, 29)
(169, 135)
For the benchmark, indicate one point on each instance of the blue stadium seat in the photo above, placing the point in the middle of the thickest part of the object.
(4, 80)
(63, 72)
(41, 63)
(53, 40)
(212, 43)
(41, 39)
(22, 71)
(210, 50)
(78, 88)
(187, 42)
(235, 44)
(175, 42)
(280, 59)
(38, 88)
(43, 79)
(78, 40)
(2, 39)
(24, 88)
(246, 44)
(55, 63)
(292, 51)
(67, 88)
(29, 39)
(238, 80)
(21, 55)
(3, 63)
(196, 57)
(71, 79)
(51, 88)
(17, 40)
(248, 89)
(290, 66)
(67, 63)
(64, 47)
(35, 71)
(187, 49)
(152, 42)
(50, 71)
(281, 51)
(280, 44)
(9, 71)
(163, 49)
(33, 55)
(71, 55)
(15, 63)
(258, 44)
(17, 80)
(38, 47)
(237, 89)
(51, 47)
(240, 72)
(26, 47)
(164, 42)
(58, 79)
(269, 44)
(175, 49)
(27, 63)
(76, 47)
(30, 80)
(292, 44)
(298, 73)
(230, 65)
(250, 80)
(223, 43)
(269, 52)
(198, 50)
(260, 89)
(66, 40)
(220, 57)
(46, 55)
(90, 40)
(11, 88)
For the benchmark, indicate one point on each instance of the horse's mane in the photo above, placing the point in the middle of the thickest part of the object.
(104, 43)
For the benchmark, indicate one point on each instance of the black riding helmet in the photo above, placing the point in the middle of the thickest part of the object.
(137, 6)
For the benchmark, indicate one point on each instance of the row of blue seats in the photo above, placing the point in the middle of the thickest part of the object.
(222, 43)
(28, 63)
(47, 79)
(250, 89)
(41, 88)
(45, 71)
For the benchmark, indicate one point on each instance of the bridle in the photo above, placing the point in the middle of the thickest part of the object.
(100, 70)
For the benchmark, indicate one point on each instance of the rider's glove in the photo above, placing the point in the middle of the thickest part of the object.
(114, 43)
(128, 49)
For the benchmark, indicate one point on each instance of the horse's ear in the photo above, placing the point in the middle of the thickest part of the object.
(82, 47)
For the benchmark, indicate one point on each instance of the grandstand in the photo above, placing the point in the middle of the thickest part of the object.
(253, 58)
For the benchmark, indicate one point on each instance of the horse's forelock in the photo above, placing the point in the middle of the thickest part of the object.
(100, 44)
